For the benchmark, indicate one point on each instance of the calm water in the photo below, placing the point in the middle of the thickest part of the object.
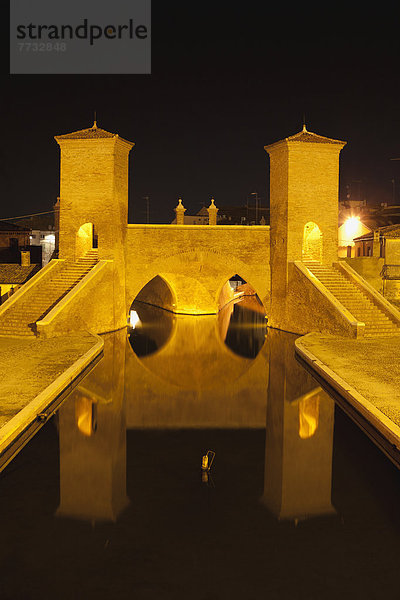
(109, 500)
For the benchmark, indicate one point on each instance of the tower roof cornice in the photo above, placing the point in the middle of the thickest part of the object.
(305, 136)
(91, 133)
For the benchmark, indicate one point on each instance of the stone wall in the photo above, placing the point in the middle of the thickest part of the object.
(308, 309)
(369, 267)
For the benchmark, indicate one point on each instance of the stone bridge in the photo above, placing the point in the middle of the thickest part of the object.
(105, 263)
(185, 268)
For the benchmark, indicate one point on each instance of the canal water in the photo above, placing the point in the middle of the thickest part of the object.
(109, 500)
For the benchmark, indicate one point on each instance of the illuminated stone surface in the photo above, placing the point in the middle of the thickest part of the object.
(304, 188)
(184, 268)
(27, 367)
(370, 366)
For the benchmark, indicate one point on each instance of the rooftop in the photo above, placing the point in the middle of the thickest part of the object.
(307, 136)
(7, 226)
(390, 231)
(91, 133)
(15, 274)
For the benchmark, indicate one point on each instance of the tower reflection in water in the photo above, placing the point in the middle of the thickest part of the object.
(92, 433)
(182, 372)
(299, 437)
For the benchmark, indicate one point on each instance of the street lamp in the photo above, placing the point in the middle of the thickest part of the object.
(256, 203)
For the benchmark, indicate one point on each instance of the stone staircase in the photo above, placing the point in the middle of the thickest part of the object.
(377, 323)
(21, 317)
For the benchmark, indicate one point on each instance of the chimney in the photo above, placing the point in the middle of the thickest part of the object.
(25, 258)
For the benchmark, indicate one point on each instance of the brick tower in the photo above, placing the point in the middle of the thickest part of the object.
(94, 204)
(304, 189)
(93, 192)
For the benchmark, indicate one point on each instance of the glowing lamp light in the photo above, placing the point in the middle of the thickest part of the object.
(352, 226)
(134, 319)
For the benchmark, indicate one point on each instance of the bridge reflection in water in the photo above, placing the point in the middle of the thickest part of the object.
(203, 374)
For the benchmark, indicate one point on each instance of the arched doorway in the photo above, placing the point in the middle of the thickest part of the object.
(312, 242)
(85, 239)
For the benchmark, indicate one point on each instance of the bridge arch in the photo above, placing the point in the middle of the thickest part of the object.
(157, 292)
(196, 277)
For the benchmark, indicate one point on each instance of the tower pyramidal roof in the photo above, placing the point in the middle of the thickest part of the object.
(307, 136)
(91, 133)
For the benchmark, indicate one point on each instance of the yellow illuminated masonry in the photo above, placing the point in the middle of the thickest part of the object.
(105, 263)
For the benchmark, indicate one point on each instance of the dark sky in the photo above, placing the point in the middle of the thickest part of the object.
(226, 80)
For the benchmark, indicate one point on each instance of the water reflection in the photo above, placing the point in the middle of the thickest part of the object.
(241, 325)
(299, 437)
(195, 381)
(246, 327)
(92, 433)
(152, 328)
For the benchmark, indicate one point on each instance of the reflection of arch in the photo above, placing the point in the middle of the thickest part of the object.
(85, 239)
(157, 292)
(235, 287)
(312, 242)
(243, 326)
(194, 356)
(85, 414)
(151, 330)
(309, 413)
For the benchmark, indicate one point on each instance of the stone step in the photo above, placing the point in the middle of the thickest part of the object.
(381, 334)
(381, 327)
(16, 330)
(31, 309)
(355, 300)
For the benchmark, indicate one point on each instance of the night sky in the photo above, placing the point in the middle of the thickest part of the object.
(226, 80)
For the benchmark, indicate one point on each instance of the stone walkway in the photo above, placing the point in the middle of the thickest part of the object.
(28, 366)
(371, 366)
